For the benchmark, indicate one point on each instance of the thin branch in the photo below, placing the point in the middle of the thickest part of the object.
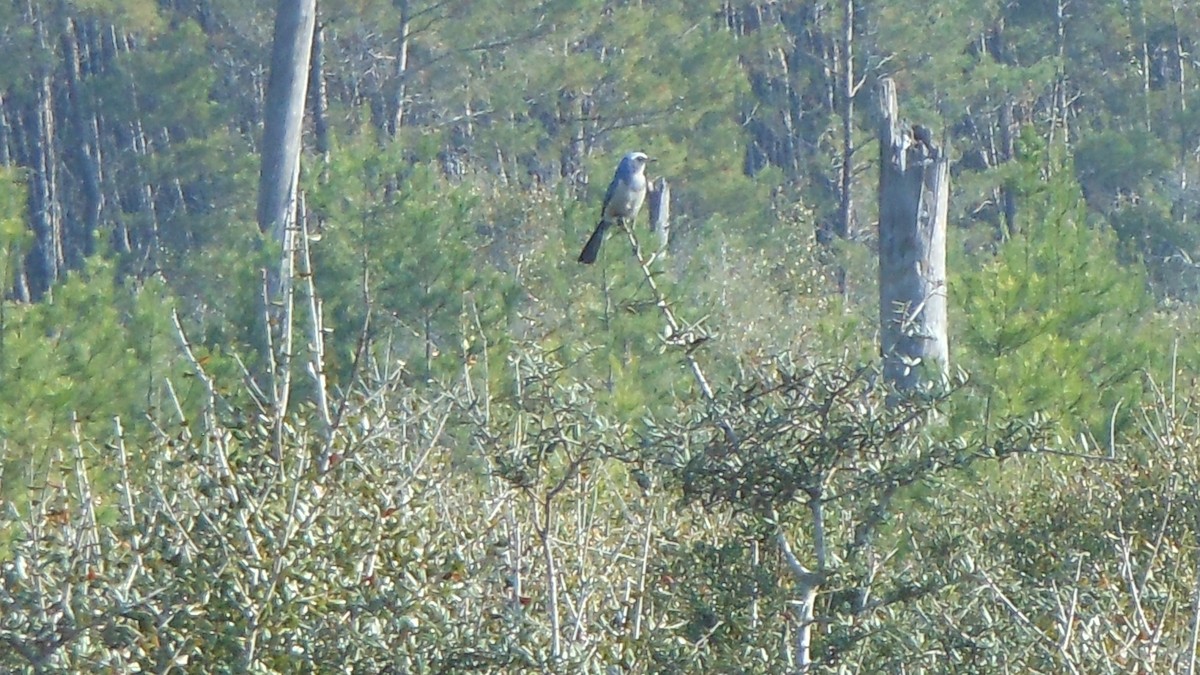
(677, 332)
(316, 332)
(641, 582)
(551, 580)
(1044, 640)
(1191, 661)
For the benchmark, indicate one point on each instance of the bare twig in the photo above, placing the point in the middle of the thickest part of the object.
(1191, 658)
(1068, 613)
(316, 325)
(88, 536)
(678, 334)
(1046, 642)
(360, 350)
(551, 579)
(639, 606)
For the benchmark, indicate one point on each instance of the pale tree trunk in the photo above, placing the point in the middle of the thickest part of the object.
(848, 90)
(401, 92)
(1181, 63)
(6, 134)
(808, 582)
(1145, 49)
(1058, 104)
(287, 89)
(284, 115)
(914, 188)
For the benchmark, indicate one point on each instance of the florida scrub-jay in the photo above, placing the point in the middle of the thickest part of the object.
(621, 203)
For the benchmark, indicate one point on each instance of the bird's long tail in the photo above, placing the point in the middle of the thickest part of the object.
(592, 248)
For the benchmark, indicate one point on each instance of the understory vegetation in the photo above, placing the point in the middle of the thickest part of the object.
(451, 448)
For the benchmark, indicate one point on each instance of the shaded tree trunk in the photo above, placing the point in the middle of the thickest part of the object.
(318, 95)
(1008, 147)
(85, 148)
(914, 187)
(570, 114)
(44, 262)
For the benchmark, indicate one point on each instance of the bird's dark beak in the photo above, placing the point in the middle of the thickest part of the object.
(651, 159)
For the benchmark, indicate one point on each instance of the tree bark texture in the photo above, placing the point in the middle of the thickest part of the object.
(84, 172)
(400, 93)
(287, 89)
(1008, 199)
(44, 262)
(914, 188)
(318, 95)
(846, 171)
(80, 239)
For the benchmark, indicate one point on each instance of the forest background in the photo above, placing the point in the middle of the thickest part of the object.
(474, 454)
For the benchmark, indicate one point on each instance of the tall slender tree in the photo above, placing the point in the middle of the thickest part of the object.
(291, 51)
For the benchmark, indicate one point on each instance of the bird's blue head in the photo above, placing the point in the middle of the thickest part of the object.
(632, 164)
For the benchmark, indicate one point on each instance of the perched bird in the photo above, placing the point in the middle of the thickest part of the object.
(621, 203)
(923, 136)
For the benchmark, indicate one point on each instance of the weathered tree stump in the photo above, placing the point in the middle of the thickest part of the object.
(914, 189)
(658, 195)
